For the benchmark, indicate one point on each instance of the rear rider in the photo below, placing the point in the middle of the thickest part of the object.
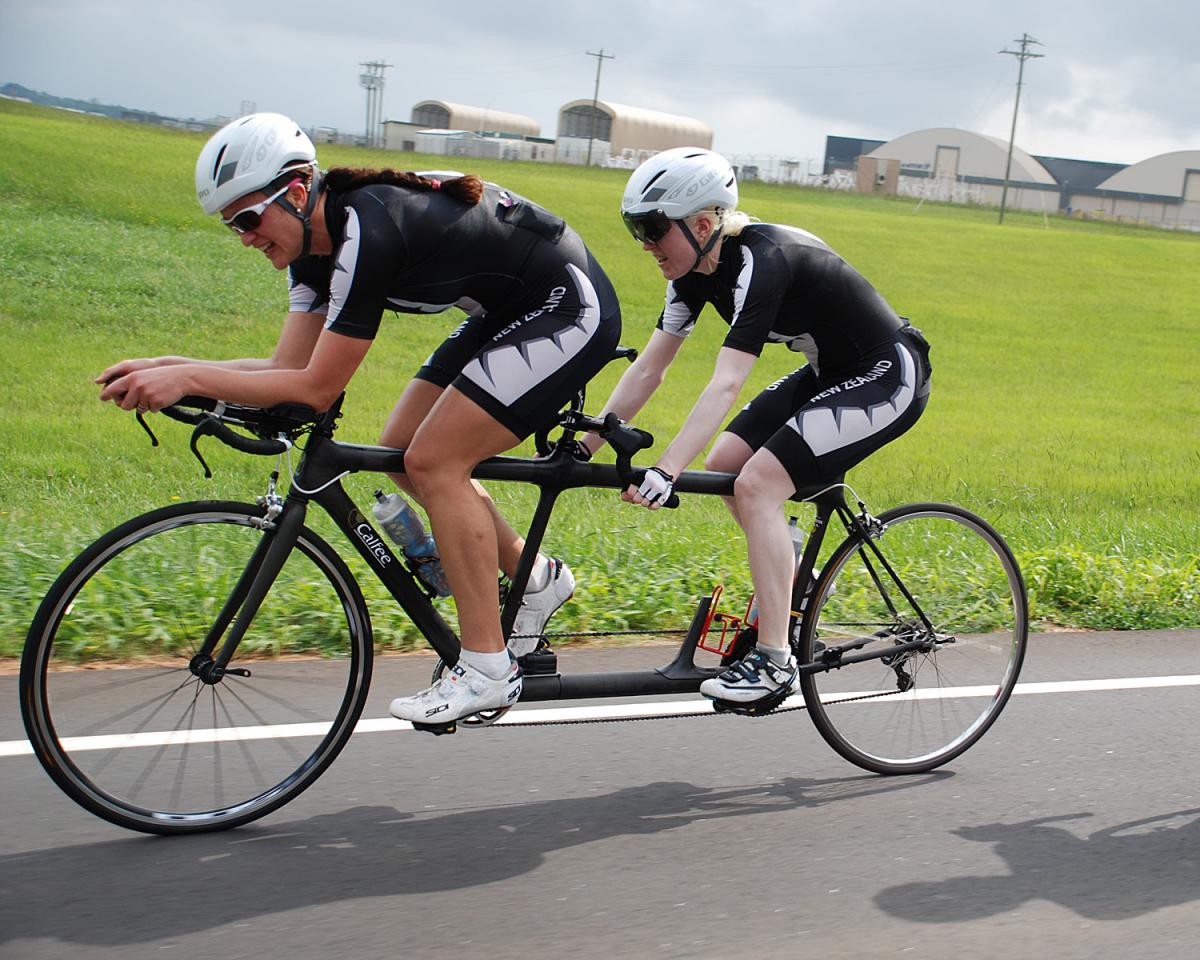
(865, 383)
(542, 319)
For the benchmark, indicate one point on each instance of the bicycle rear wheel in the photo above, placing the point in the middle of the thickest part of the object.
(114, 697)
(945, 607)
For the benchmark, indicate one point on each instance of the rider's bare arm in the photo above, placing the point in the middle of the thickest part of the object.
(639, 381)
(709, 410)
(309, 366)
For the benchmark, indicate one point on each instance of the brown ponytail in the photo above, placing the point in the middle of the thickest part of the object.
(466, 189)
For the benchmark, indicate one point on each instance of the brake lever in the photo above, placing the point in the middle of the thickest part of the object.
(203, 429)
(145, 426)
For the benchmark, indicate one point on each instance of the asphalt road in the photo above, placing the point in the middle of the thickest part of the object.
(1071, 830)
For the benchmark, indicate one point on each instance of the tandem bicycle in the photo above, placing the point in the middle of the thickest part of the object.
(910, 633)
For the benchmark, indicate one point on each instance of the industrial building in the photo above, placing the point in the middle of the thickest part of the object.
(598, 133)
(454, 129)
(959, 166)
(945, 161)
(594, 131)
(443, 115)
(1164, 188)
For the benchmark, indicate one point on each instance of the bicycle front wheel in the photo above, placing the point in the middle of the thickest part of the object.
(114, 693)
(920, 630)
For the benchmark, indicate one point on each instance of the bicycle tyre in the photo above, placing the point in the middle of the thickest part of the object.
(966, 581)
(146, 744)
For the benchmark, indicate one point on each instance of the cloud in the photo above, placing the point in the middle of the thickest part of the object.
(1117, 80)
(1101, 112)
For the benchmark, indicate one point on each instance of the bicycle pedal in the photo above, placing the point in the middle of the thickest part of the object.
(741, 709)
(541, 662)
(759, 709)
(437, 729)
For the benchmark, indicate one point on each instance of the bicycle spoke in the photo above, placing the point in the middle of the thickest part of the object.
(144, 746)
(943, 579)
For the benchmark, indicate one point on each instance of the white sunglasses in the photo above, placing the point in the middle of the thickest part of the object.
(250, 218)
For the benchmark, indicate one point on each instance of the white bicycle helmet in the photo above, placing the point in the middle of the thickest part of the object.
(672, 186)
(246, 155)
(680, 182)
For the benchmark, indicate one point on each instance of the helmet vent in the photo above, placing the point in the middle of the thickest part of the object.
(650, 182)
(217, 162)
(227, 172)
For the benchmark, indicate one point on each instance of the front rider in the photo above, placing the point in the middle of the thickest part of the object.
(542, 320)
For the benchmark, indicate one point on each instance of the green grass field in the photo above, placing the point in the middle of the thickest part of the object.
(1064, 407)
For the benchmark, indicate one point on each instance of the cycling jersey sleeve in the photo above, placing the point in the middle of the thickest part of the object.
(680, 311)
(372, 249)
(763, 279)
(308, 285)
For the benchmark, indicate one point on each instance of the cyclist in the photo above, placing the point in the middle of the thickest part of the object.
(865, 383)
(542, 320)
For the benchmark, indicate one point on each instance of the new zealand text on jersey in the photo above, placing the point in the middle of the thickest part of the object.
(877, 371)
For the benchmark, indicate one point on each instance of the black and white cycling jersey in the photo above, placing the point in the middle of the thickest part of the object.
(778, 284)
(542, 316)
(867, 377)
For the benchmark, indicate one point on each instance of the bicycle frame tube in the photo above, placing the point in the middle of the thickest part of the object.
(234, 603)
(326, 460)
(279, 544)
(390, 570)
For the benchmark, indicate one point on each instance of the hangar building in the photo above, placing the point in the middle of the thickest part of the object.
(618, 130)
(1164, 188)
(443, 115)
(962, 167)
(954, 161)
(455, 129)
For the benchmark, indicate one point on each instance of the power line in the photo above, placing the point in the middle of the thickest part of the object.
(600, 58)
(1022, 55)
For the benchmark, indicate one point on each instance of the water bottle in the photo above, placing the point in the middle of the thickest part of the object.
(797, 536)
(403, 524)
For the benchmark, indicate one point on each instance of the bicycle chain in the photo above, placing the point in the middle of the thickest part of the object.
(676, 716)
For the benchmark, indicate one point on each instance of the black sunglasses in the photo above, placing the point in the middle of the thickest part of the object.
(250, 218)
(648, 227)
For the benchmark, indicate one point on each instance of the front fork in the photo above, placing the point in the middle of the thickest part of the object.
(281, 529)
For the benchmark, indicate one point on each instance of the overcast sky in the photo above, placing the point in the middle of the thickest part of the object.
(1117, 83)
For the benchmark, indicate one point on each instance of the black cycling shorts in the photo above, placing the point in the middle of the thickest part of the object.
(818, 431)
(523, 366)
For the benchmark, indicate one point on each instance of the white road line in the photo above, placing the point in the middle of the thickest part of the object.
(529, 716)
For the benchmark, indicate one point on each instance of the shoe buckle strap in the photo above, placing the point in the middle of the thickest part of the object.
(779, 674)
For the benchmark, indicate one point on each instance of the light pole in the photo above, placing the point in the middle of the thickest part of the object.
(1022, 55)
(600, 58)
(373, 82)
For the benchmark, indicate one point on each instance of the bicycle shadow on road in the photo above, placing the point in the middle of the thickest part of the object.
(1116, 873)
(140, 889)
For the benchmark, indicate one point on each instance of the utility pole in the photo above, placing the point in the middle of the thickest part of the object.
(372, 81)
(600, 58)
(1022, 55)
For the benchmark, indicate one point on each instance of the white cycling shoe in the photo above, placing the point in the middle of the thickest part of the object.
(461, 692)
(538, 606)
(754, 680)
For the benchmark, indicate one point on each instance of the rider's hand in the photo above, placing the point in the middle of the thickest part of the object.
(145, 389)
(125, 367)
(655, 489)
